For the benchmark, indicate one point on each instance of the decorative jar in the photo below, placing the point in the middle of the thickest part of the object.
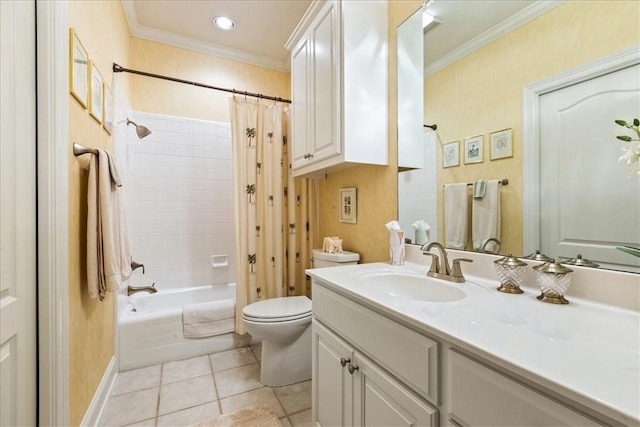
(511, 272)
(554, 280)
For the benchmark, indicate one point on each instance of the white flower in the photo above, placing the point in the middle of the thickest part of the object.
(631, 156)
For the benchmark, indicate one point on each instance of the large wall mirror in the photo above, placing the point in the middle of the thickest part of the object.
(481, 60)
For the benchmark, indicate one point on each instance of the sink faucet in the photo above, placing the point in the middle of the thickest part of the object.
(440, 265)
(133, 289)
(485, 242)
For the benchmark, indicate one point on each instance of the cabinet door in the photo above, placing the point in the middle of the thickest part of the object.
(379, 400)
(300, 81)
(325, 129)
(332, 383)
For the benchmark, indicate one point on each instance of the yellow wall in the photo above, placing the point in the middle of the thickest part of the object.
(377, 186)
(176, 99)
(482, 92)
(101, 26)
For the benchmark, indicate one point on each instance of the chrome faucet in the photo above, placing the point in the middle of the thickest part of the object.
(134, 289)
(440, 265)
(485, 242)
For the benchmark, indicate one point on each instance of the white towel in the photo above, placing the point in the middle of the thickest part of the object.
(485, 222)
(108, 250)
(209, 318)
(455, 215)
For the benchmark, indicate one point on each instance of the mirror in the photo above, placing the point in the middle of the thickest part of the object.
(474, 88)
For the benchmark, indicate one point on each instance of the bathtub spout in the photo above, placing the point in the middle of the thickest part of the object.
(133, 289)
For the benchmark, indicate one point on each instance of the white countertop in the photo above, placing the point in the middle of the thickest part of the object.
(587, 351)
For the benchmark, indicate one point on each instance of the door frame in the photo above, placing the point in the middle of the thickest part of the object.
(52, 47)
(531, 94)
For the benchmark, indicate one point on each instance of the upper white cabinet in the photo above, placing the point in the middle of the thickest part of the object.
(339, 86)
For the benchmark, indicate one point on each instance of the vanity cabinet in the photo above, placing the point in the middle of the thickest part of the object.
(339, 86)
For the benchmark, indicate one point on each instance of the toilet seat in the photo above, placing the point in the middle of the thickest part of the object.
(277, 310)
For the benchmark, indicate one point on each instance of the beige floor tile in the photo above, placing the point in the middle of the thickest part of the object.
(232, 358)
(151, 422)
(190, 415)
(137, 379)
(186, 394)
(259, 396)
(130, 408)
(185, 369)
(294, 398)
(238, 380)
(257, 351)
(301, 419)
(285, 422)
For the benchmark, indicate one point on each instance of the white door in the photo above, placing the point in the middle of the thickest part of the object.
(18, 356)
(588, 203)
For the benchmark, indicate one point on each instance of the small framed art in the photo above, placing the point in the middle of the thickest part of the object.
(501, 144)
(78, 69)
(107, 109)
(348, 205)
(473, 149)
(451, 154)
(95, 93)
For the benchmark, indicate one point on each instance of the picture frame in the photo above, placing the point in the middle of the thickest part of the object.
(451, 154)
(501, 144)
(474, 149)
(78, 69)
(95, 92)
(107, 109)
(348, 205)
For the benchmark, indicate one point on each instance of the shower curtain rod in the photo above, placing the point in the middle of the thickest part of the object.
(120, 69)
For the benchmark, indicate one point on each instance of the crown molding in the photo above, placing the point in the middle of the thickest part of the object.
(525, 15)
(156, 35)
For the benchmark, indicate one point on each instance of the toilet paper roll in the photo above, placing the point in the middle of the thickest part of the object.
(396, 247)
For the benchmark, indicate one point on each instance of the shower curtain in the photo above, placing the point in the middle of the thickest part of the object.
(275, 215)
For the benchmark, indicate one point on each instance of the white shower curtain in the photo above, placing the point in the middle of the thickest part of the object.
(275, 215)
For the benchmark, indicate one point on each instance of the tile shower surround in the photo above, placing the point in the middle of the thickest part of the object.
(179, 199)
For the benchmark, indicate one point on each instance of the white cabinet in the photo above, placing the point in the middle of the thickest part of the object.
(351, 390)
(339, 86)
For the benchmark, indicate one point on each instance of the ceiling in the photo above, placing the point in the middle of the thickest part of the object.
(264, 26)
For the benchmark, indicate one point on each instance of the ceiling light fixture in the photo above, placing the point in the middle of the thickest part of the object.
(224, 23)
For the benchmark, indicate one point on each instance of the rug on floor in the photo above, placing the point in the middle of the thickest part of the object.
(251, 416)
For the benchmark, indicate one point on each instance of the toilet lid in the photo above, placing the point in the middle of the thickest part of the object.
(279, 308)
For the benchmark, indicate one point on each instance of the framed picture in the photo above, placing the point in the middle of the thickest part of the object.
(473, 149)
(348, 205)
(78, 69)
(107, 109)
(451, 154)
(95, 92)
(501, 144)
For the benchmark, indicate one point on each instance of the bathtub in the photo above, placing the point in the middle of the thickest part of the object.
(150, 327)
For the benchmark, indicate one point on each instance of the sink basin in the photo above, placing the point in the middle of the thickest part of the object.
(411, 286)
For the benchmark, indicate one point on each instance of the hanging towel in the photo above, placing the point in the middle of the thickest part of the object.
(207, 319)
(455, 215)
(479, 188)
(108, 250)
(485, 222)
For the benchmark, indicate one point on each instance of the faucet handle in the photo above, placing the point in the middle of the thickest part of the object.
(435, 262)
(456, 271)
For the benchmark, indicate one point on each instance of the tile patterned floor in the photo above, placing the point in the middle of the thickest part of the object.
(183, 392)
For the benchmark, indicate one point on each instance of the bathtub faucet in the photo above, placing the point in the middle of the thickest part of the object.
(133, 289)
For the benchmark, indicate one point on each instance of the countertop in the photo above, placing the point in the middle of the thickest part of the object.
(586, 351)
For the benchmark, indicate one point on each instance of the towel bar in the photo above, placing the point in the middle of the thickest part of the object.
(504, 181)
(79, 150)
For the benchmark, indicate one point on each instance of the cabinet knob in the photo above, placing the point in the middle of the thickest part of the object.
(353, 368)
(344, 361)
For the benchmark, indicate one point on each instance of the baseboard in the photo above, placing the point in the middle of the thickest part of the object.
(92, 416)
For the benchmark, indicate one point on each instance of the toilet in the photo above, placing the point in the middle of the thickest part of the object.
(284, 326)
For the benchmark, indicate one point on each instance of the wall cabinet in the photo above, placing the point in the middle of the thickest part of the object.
(339, 86)
(369, 369)
(352, 390)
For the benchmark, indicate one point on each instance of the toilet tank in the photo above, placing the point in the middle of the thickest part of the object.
(324, 259)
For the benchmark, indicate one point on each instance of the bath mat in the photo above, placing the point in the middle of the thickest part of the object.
(251, 416)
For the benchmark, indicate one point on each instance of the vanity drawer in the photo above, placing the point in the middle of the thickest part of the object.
(410, 356)
(480, 395)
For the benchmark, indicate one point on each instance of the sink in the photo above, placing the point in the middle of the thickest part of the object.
(411, 286)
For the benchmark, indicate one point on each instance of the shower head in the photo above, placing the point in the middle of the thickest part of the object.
(141, 131)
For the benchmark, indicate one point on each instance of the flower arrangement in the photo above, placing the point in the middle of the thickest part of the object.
(632, 155)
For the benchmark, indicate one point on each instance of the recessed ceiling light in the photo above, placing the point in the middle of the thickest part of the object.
(224, 23)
